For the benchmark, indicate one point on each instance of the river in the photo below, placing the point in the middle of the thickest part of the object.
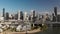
(54, 30)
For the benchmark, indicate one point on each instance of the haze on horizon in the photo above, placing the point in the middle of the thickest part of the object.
(12, 6)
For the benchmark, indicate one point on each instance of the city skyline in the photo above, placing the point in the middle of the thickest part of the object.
(12, 6)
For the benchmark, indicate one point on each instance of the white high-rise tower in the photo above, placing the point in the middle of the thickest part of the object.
(26, 16)
(19, 15)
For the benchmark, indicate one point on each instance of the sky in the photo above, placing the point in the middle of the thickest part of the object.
(12, 6)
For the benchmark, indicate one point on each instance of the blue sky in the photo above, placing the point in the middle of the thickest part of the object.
(27, 5)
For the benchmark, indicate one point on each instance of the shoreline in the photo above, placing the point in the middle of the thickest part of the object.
(29, 32)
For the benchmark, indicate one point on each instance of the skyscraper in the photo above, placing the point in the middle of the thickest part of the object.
(55, 11)
(53, 17)
(16, 16)
(3, 12)
(7, 15)
(33, 15)
(25, 16)
(19, 15)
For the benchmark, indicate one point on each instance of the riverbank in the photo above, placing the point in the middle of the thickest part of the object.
(29, 32)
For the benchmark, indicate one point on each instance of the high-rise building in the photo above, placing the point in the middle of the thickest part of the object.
(33, 15)
(7, 15)
(3, 12)
(55, 11)
(30, 17)
(19, 15)
(26, 16)
(10, 16)
(38, 17)
(13, 16)
(16, 16)
(53, 18)
(47, 17)
(58, 17)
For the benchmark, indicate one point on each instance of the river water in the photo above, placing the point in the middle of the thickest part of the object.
(54, 30)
